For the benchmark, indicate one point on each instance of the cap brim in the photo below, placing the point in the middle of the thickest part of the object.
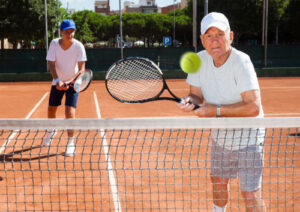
(217, 25)
(68, 28)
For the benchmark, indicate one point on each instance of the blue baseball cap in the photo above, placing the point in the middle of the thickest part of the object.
(67, 24)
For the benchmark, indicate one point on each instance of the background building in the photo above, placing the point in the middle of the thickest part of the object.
(144, 6)
(167, 9)
(102, 6)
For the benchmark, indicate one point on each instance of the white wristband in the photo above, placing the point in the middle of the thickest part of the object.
(57, 80)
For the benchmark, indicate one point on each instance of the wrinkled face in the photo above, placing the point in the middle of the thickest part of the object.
(68, 34)
(217, 42)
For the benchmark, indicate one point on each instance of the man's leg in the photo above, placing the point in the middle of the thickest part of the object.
(52, 112)
(55, 98)
(50, 134)
(220, 193)
(70, 110)
(252, 161)
(70, 113)
(223, 168)
(54, 101)
(254, 201)
(70, 148)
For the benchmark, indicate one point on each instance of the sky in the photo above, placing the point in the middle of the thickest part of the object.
(114, 4)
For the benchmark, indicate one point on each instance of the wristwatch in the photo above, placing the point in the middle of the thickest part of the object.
(218, 110)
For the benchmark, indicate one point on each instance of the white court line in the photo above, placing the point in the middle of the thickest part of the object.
(11, 137)
(261, 87)
(36, 106)
(112, 180)
(289, 87)
(282, 114)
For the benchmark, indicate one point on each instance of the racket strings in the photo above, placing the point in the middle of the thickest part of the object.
(134, 80)
(83, 81)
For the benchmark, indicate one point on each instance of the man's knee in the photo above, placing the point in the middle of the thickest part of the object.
(70, 112)
(252, 197)
(52, 111)
(219, 180)
(220, 190)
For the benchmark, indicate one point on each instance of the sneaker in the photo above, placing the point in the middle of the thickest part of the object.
(49, 137)
(70, 150)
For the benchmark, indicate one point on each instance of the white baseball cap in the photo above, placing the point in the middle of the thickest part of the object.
(214, 19)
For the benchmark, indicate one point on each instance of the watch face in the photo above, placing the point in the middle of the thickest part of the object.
(218, 110)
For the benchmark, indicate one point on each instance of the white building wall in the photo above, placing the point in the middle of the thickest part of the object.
(145, 2)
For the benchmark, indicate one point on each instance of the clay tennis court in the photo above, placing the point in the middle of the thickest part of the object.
(280, 98)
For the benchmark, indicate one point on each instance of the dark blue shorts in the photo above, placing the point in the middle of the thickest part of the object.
(56, 97)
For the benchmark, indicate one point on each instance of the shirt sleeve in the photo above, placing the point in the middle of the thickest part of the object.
(81, 54)
(51, 52)
(246, 77)
(194, 78)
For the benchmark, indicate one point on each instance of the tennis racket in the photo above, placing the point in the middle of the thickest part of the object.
(81, 81)
(137, 80)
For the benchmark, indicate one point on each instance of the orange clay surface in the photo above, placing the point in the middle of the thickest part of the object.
(280, 98)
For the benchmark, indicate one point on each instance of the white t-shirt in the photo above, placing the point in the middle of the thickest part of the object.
(224, 85)
(66, 60)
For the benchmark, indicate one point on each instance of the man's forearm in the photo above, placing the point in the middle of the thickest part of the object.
(53, 70)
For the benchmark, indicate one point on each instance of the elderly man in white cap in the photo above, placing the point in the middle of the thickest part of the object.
(226, 85)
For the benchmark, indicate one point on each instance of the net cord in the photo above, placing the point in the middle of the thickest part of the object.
(152, 123)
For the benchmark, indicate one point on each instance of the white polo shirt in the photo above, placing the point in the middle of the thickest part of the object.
(66, 60)
(224, 85)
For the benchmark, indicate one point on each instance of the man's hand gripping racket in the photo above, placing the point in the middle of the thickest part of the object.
(81, 81)
(138, 80)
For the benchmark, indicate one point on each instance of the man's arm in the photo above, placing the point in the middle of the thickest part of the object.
(248, 107)
(52, 68)
(81, 65)
(195, 97)
(59, 84)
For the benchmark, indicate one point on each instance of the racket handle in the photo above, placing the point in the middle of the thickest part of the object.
(183, 102)
(196, 107)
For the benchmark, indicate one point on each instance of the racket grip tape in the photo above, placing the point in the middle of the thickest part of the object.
(182, 101)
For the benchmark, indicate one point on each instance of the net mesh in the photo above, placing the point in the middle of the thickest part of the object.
(138, 165)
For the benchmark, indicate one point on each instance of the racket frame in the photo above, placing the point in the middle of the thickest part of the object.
(71, 83)
(156, 97)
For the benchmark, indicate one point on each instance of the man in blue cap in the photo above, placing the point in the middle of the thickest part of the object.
(66, 56)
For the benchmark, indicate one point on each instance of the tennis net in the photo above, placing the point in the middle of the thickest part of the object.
(145, 164)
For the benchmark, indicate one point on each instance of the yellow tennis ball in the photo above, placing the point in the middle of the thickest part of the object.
(190, 62)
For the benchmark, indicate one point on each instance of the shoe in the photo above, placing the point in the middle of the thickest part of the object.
(70, 150)
(49, 137)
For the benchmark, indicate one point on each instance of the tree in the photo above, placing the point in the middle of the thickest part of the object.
(91, 26)
(289, 32)
(245, 16)
(158, 25)
(184, 29)
(183, 26)
(113, 28)
(24, 20)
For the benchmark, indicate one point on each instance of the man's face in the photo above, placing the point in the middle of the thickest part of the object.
(68, 34)
(217, 42)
